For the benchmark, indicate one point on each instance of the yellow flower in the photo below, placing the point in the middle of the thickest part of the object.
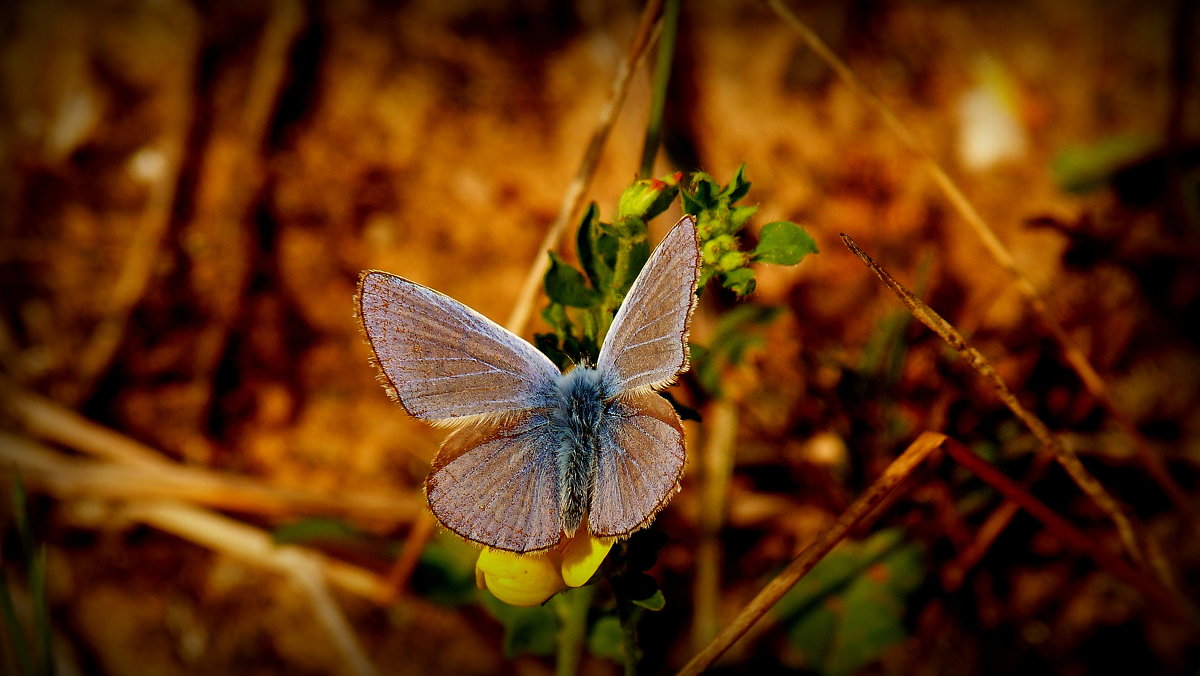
(530, 579)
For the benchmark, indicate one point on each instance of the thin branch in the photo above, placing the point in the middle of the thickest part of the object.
(1065, 457)
(891, 478)
(573, 198)
(1073, 355)
(956, 571)
(1065, 532)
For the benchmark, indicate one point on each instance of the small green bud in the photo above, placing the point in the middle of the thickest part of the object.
(732, 260)
(648, 198)
(714, 248)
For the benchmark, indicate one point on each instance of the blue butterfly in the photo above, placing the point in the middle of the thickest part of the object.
(537, 454)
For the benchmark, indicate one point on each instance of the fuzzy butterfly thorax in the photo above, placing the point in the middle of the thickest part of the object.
(578, 420)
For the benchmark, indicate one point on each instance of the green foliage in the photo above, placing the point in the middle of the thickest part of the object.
(567, 286)
(446, 572)
(783, 243)
(738, 331)
(655, 602)
(33, 555)
(315, 530)
(850, 608)
(526, 630)
(1083, 168)
(606, 640)
(582, 303)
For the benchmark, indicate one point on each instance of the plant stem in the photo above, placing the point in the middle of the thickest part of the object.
(662, 76)
(571, 608)
(628, 615)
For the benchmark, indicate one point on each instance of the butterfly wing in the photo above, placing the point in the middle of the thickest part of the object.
(443, 360)
(639, 463)
(497, 485)
(647, 342)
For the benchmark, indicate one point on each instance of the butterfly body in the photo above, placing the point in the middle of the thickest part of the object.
(536, 453)
(579, 420)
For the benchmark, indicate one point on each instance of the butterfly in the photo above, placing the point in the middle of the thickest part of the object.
(535, 453)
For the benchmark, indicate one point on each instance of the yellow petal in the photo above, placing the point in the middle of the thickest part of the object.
(519, 579)
(582, 556)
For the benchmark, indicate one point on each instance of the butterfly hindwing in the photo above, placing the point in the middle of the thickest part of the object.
(495, 484)
(639, 463)
(646, 345)
(444, 360)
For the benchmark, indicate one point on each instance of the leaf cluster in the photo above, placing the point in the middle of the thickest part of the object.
(583, 300)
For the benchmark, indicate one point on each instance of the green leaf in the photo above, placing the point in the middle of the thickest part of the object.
(605, 639)
(783, 243)
(850, 608)
(566, 285)
(526, 630)
(584, 246)
(1081, 169)
(547, 344)
(446, 572)
(812, 635)
(639, 252)
(740, 281)
(738, 185)
(704, 190)
(655, 601)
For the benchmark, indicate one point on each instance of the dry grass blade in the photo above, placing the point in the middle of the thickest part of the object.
(648, 29)
(305, 568)
(893, 476)
(956, 571)
(1063, 530)
(1065, 457)
(43, 418)
(69, 477)
(1073, 355)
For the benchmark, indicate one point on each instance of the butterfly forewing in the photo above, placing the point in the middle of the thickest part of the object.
(647, 342)
(495, 484)
(443, 359)
(638, 465)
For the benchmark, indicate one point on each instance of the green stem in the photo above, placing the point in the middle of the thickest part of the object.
(628, 614)
(16, 635)
(662, 75)
(571, 608)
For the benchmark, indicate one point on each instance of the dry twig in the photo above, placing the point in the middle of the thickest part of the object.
(1065, 457)
(639, 48)
(892, 477)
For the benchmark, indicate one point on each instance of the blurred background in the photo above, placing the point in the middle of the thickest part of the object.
(188, 192)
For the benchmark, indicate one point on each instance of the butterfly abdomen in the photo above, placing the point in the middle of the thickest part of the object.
(577, 418)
